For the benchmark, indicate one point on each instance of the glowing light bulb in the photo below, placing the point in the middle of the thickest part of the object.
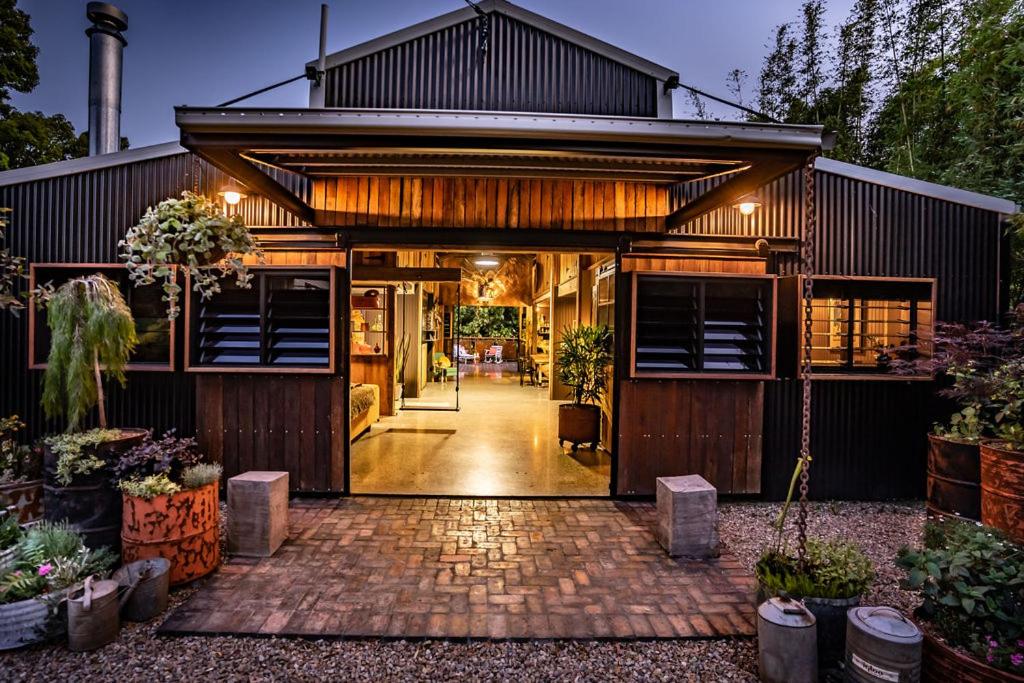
(232, 198)
(747, 208)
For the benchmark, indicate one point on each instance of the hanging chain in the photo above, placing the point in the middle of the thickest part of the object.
(195, 173)
(807, 270)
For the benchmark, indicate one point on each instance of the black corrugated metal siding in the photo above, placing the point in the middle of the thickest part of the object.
(80, 218)
(869, 438)
(524, 69)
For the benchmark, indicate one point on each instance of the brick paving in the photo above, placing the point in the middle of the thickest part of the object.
(472, 568)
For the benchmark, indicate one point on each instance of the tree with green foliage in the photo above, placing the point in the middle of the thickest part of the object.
(29, 138)
(500, 322)
(92, 335)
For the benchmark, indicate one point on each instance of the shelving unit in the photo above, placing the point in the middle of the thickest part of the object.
(368, 323)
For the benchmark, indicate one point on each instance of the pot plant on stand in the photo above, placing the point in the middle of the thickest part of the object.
(92, 337)
(171, 506)
(583, 355)
(191, 234)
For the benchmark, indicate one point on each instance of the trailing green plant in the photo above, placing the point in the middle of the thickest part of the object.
(18, 462)
(971, 580)
(1007, 394)
(76, 453)
(966, 425)
(51, 557)
(832, 569)
(193, 234)
(92, 335)
(12, 271)
(168, 455)
(584, 354)
(200, 475)
(150, 487)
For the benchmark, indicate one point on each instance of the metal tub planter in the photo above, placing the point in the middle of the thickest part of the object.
(31, 621)
(26, 497)
(7, 557)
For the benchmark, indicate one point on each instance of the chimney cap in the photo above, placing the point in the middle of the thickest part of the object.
(101, 13)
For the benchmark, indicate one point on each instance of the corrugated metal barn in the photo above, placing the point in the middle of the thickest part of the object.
(577, 154)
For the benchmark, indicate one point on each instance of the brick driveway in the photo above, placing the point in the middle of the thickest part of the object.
(401, 567)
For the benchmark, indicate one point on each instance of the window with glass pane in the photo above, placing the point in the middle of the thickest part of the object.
(710, 325)
(604, 297)
(857, 325)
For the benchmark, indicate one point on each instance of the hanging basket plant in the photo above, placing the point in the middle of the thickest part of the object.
(12, 272)
(193, 234)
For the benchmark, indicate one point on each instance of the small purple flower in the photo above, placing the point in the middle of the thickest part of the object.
(993, 643)
(1020, 643)
(990, 658)
(1017, 659)
(45, 569)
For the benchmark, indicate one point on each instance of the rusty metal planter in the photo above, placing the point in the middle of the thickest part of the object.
(940, 662)
(1002, 489)
(182, 527)
(26, 497)
(954, 475)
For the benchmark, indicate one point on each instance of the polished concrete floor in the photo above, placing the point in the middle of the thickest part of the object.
(502, 442)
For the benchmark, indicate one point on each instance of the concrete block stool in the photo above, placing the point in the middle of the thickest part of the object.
(687, 516)
(257, 513)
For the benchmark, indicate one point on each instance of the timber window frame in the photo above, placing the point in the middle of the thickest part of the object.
(855, 319)
(147, 298)
(709, 327)
(275, 332)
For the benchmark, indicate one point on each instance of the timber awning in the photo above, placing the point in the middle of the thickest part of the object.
(326, 143)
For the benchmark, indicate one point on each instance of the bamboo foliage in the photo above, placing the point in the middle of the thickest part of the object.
(92, 335)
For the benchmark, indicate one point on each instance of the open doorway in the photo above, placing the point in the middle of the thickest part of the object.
(468, 352)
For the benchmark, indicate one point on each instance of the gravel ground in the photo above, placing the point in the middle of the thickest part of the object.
(880, 529)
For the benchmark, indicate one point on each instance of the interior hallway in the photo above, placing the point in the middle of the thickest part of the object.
(503, 442)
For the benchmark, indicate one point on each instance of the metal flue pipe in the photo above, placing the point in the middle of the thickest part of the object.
(106, 46)
(317, 87)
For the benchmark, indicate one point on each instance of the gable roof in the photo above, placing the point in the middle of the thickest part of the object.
(463, 14)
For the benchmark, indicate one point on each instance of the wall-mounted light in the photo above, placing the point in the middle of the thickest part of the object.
(232, 193)
(748, 203)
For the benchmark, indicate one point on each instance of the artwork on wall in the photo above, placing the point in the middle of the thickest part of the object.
(506, 283)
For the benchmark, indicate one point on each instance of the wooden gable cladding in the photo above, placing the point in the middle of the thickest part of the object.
(456, 202)
(668, 264)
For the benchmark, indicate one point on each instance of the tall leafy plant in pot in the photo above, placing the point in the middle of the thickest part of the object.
(92, 338)
(583, 354)
(193, 234)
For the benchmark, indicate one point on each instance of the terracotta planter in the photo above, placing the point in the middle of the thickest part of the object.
(579, 424)
(90, 503)
(182, 527)
(942, 663)
(1002, 489)
(954, 476)
(26, 497)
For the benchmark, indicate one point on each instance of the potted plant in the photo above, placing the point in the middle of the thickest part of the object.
(51, 560)
(964, 357)
(12, 272)
(92, 337)
(583, 355)
(193, 234)
(971, 581)
(21, 477)
(832, 579)
(1002, 458)
(171, 506)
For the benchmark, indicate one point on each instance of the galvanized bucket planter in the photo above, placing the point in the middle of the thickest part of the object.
(182, 527)
(148, 581)
(90, 504)
(31, 621)
(831, 616)
(26, 497)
